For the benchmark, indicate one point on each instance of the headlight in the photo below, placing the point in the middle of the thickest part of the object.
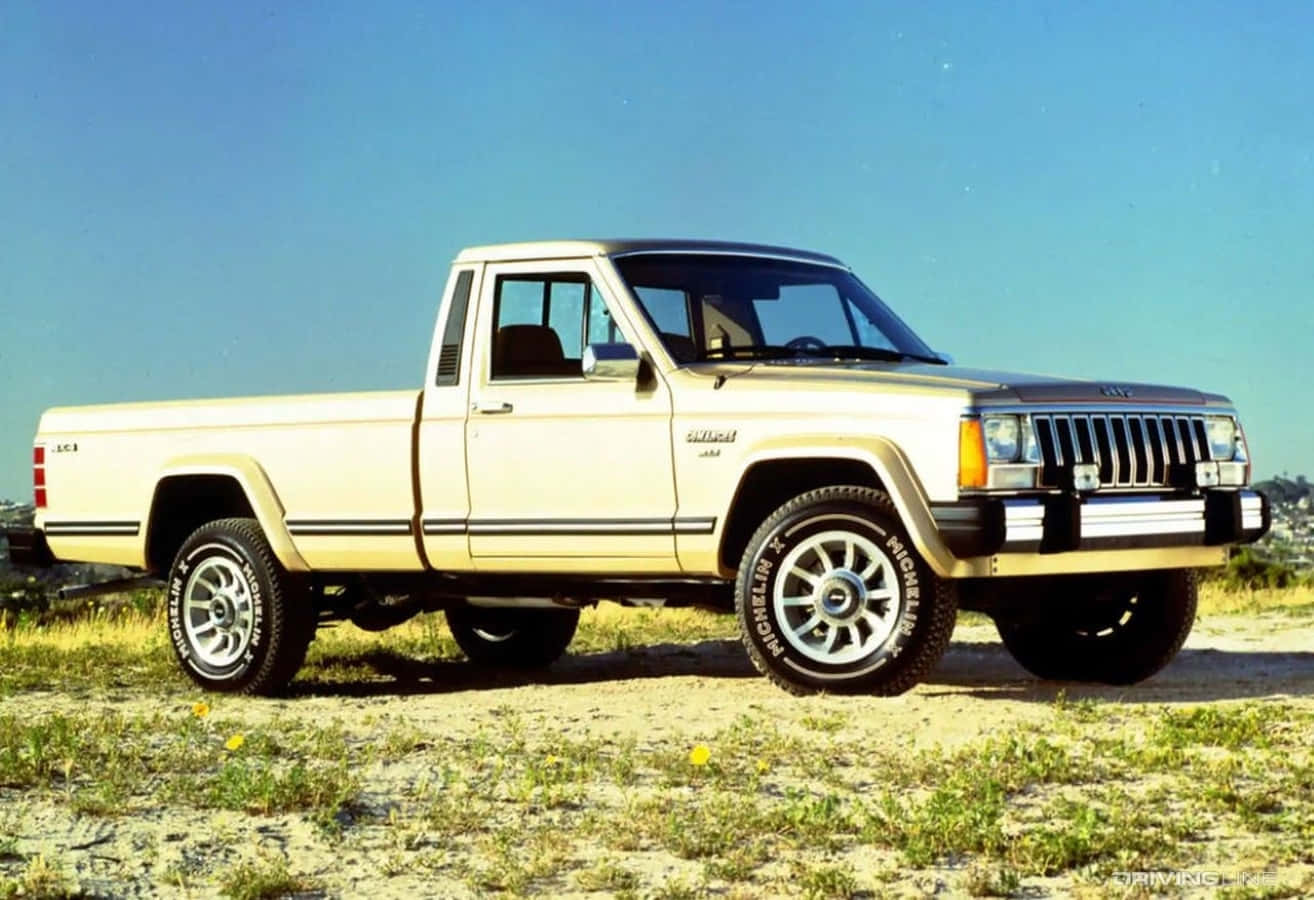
(1221, 431)
(1003, 438)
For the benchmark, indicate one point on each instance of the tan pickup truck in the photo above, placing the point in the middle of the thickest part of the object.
(735, 426)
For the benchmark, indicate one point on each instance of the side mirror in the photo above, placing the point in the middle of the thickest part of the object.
(611, 362)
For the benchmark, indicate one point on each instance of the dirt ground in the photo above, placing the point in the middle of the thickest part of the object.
(666, 695)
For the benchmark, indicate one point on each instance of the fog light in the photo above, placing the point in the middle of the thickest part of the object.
(1206, 474)
(1086, 477)
(1232, 474)
(1013, 478)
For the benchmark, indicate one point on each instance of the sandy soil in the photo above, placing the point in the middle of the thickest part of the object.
(660, 695)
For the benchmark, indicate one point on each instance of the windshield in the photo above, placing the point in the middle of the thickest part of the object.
(715, 307)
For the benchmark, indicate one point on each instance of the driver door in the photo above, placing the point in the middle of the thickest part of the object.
(575, 474)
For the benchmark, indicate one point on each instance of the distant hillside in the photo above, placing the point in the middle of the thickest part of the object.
(1286, 490)
(12, 513)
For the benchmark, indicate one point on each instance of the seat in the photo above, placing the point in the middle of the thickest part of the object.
(520, 350)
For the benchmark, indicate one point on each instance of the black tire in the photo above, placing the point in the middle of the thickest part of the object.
(1111, 629)
(512, 638)
(237, 621)
(880, 644)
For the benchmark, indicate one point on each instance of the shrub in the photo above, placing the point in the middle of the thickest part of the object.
(1247, 571)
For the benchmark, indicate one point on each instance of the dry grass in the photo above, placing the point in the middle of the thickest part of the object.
(813, 804)
(131, 650)
(1215, 600)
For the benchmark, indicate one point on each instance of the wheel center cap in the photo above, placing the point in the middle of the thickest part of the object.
(841, 595)
(221, 610)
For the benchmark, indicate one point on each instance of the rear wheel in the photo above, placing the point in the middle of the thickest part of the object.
(1110, 629)
(510, 637)
(831, 595)
(237, 621)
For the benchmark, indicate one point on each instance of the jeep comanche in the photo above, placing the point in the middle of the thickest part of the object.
(741, 427)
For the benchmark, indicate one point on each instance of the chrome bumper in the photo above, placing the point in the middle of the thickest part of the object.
(1061, 523)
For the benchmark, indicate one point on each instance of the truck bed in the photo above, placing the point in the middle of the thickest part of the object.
(102, 464)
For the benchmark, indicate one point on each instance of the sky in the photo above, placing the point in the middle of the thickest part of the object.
(202, 200)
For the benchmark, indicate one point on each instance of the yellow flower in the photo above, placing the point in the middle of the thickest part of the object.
(551, 760)
(200, 709)
(699, 755)
(763, 766)
(234, 743)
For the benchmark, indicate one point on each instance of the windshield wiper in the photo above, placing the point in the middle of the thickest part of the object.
(856, 351)
(831, 351)
(753, 351)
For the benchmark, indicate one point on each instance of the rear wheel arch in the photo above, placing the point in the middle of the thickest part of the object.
(189, 497)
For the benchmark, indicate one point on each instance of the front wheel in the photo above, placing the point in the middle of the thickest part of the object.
(831, 595)
(1117, 629)
(236, 620)
(510, 637)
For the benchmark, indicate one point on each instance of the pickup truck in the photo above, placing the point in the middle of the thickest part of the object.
(735, 426)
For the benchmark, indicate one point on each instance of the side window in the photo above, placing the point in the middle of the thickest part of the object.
(566, 315)
(543, 322)
(601, 326)
(520, 301)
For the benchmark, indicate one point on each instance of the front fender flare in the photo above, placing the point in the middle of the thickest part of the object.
(891, 467)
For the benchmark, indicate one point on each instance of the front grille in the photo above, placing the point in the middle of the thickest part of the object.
(1131, 449)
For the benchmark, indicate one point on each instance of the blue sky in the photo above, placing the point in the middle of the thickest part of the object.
(219, 199)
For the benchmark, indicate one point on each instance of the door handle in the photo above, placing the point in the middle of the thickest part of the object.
(498, 410)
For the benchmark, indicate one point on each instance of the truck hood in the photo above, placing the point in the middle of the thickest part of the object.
(985, 386)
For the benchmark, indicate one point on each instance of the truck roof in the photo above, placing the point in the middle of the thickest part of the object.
(531, 250)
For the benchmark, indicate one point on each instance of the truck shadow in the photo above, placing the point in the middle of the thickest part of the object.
(408, 675)
(969, 669)
(987, 671)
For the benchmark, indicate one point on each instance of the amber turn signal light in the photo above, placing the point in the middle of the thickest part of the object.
(972, 471)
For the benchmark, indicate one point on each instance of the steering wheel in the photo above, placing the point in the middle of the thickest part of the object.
(806, 343)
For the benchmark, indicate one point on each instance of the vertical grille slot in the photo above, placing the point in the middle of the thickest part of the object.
(1049, 461)
(1063, 425)
(1176, 455)
(1158, 450)
(1202, 438)
(1104, 446)
(1136, 435)
(1126, 472)
(1085, 440)
(1188, 440)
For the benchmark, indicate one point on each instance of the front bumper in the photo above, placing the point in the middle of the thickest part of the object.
(28, 547)
(1059, 523)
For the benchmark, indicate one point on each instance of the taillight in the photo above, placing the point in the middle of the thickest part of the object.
(39, 477)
